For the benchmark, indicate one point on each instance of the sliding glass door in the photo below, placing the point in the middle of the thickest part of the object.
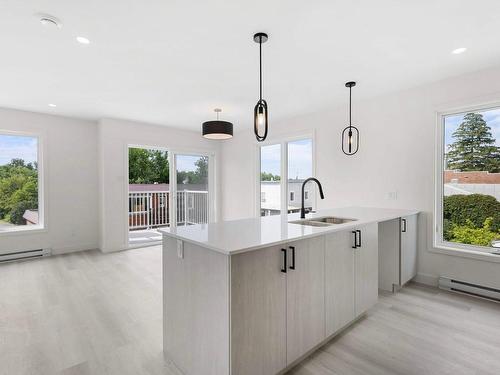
(166, 188)
(192, 189)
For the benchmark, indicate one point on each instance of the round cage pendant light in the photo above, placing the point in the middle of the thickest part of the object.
(217, 129)
(350, 135)
(260, 112)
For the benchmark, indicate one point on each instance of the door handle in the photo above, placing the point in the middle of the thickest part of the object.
(292, 267)
(283, 269)
(404, 225)
(355, 240)
(359, 238)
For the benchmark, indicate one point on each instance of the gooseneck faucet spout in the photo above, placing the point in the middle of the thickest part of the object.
(302, 209)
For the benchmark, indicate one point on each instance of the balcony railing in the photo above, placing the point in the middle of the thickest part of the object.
(151, 209)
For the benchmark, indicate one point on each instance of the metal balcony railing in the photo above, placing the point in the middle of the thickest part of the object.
(151, 209)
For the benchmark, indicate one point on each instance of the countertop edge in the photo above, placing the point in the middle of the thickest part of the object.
(327, 230)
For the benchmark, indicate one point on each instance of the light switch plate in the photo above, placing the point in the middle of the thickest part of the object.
(180, 249)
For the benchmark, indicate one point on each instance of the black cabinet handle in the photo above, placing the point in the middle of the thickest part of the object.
(359, 238)
(292, 267)
(355, 240)
(283, 251)
(404, 225)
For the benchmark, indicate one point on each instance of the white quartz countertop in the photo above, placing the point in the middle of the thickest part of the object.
(237, 236)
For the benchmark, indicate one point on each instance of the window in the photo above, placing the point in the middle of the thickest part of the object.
(294, 167)
(270, 179)
(468, 191)
(20, 178)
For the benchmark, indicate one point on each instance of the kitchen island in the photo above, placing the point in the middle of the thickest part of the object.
(255, 296)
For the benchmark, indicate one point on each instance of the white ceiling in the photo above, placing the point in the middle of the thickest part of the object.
(171, 62)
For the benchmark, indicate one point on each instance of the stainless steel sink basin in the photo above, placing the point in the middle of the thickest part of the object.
(323, 221)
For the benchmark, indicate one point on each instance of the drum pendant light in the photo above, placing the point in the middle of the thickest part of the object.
(260, 112)
(350, 135)
(217, 129)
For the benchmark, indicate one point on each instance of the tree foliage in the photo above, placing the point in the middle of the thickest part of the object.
(471, 219)
(474, 147)
(198, 176)
(265, 176)
(470, 234)
(18, 190)
(151, 166)
(148, 166)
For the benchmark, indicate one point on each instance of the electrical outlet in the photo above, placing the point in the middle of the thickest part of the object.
(392, 195)
(180, 249)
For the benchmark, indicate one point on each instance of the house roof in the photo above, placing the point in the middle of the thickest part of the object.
(31, 216)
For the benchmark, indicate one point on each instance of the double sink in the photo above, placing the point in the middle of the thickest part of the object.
(323, 221)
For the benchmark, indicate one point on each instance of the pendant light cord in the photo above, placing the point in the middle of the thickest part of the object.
(260, 67)
(350, 106)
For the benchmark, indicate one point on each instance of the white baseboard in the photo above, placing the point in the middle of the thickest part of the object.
(426, 279)
(73, 249)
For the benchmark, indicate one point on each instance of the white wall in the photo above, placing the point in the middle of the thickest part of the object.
(397, 146)
(70, 164)
(114, 137)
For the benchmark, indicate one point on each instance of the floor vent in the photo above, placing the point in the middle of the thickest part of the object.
(468, 288)
(23, 255)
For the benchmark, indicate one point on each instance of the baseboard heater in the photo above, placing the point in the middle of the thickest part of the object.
(475, 290)
(24, 255)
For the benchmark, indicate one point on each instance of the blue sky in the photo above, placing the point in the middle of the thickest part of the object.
(18, 147)
(186, 162)
(492, 118)
(299, 159)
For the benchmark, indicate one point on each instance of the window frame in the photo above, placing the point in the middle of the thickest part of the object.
(42, 226)
(439, 244)
(283, 141)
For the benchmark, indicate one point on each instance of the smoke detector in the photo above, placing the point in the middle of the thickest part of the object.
(48, 20)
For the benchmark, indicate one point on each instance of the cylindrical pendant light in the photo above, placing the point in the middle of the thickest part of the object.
(217, 129)
(260, 112)
(350, 135)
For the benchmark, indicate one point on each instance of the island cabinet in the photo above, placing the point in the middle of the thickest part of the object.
(277, 305)
(261, 311)
(351, 275)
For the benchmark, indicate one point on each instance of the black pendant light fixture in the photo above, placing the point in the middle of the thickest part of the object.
(260, 112)
(350, 135)
(217, 129)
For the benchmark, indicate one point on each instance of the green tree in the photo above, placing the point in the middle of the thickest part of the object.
(474, 147)
(470, 234)
(148, 166)
(267, 176)
(18, 190)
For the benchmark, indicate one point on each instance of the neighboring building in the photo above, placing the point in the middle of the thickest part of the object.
(466, 183)
(270, 192)
(31, 217)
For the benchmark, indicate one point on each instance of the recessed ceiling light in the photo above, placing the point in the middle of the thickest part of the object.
(82, 40)
(48, 20)
(458, 51)
(52, 105)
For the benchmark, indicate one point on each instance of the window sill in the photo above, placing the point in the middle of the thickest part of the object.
(33, 229)
(465, 252)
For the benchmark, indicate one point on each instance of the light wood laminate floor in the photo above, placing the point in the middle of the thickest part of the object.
(93, 313)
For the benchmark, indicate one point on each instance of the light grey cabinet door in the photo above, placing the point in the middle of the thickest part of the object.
(339, 280)
(258, 312)
(408, 248)
(305, 296)
(366, 269)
